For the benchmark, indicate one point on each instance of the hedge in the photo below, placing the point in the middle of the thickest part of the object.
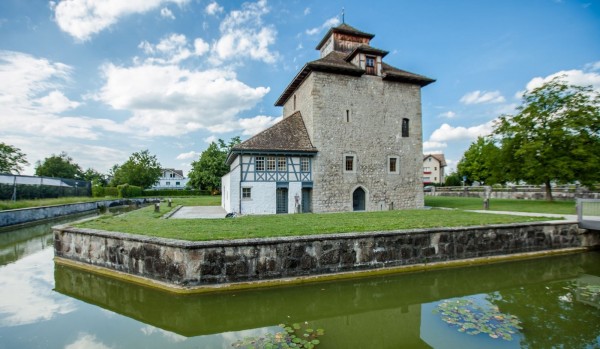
(174, 192)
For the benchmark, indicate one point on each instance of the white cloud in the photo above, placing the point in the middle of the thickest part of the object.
(429, 145)
(170, 336)
(166, 13)
(210, 139)
(449, 114)
(213, 8)
(447, 133)
(331, 22)
(87, 341)
(173, 49)
(83, 18)
(170, 101)
(31, 99)
(479, 97)
(307, 11)
(189, 155)
(592, 66)
(56, 102)
(244, 35)
(252, 126)
(573, 77)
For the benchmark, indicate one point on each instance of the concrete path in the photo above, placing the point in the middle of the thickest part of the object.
(569, 217)
(195, 212)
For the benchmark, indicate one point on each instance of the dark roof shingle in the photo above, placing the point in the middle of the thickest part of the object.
(288, 135)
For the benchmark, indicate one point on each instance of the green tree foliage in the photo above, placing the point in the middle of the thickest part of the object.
(453, 180)
(61, 165)
(141, 169)
(12, 159)
(480, 162)
(206, 173)
(95, 177)
(554, 137)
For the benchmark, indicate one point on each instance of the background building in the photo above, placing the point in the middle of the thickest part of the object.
(433, 169)
(171, 179)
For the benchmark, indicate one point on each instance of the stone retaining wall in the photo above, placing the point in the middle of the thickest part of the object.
(33, 214)
(184, 263)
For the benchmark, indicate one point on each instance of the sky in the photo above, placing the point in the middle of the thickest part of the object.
(102, 79)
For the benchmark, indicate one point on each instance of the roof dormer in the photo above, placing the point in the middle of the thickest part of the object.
(343, 38)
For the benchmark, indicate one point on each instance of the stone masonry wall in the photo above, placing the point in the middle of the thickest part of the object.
(376, 109)
(217, 262)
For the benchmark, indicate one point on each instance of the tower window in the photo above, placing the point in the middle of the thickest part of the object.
(347, 115)
(405, 127)
(393, 164)
(349, 163)
(294, 102)
(370, 65)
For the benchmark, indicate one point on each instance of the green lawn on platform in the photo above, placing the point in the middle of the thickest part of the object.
(537, 206)
(146, 222)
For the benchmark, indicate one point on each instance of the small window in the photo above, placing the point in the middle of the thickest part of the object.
(260, 163)
(405, 127)
(177, 184)
(304, 165)
(294, 102)
(347, 115)
(168, 183)
(426, 169)
(271, 163)
(349, 163)
(370, 65)
(281, 164)
(435, 168)
(393, 164)
(246, 193)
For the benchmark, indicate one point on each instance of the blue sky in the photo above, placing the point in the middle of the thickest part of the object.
(103, 79)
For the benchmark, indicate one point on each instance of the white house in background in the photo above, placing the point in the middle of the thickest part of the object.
(171, 179)
(433, 168)
(350, 138)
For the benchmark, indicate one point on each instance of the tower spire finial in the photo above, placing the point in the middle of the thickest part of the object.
(343, 20)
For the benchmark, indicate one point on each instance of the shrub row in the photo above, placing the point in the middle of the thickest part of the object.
(129, 191)
(174, 192)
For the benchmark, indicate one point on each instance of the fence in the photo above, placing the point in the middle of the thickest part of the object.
(527, 192)
(17, 187)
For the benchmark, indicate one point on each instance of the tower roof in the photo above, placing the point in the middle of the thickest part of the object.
(344, 29)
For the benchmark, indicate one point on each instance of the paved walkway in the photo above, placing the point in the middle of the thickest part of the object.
(195, 212)
(569, 217)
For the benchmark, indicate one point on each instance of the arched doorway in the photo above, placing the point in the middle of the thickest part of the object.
(358, 199)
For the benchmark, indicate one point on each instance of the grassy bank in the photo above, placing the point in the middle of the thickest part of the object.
(10, 205)
(538, 206)
(146, 222)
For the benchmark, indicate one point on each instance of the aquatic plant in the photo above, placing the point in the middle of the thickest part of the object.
(470, 317)
(296, 335)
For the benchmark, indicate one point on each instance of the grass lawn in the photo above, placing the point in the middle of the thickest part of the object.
(146, 222)
(538, 206)
(192, 200)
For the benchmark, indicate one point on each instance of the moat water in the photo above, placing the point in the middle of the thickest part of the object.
(539, 303)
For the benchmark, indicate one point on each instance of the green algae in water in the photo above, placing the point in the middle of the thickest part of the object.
(469, 316)
(296, 335)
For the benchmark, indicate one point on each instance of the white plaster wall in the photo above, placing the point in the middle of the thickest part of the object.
(230, 196)
(226, 192)
(295, 188)
(263, 199)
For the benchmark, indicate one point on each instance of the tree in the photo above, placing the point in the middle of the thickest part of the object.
(554, 137)
(480, 162)
(206, 173)
(61, 165)
(12, 159)
(453, 180)
(95, 177)
(141, 169)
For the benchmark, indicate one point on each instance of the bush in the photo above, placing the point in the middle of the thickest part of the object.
(100, 192)
(174, 192)
(129, 191)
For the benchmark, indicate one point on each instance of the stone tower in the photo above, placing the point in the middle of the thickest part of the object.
(363, 116)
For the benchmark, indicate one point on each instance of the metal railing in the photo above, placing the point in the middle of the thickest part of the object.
(588, 213)
(18, 187)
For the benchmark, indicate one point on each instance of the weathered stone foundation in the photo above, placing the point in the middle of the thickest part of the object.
(185, 264)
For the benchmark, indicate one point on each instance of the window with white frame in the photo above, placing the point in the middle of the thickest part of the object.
(246, 193)
(271, 163)
(349, 163)
(281, 164)
(259, 163)
(304, 164)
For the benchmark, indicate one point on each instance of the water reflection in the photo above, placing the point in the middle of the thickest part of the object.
(47, 306)
(377, 312)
